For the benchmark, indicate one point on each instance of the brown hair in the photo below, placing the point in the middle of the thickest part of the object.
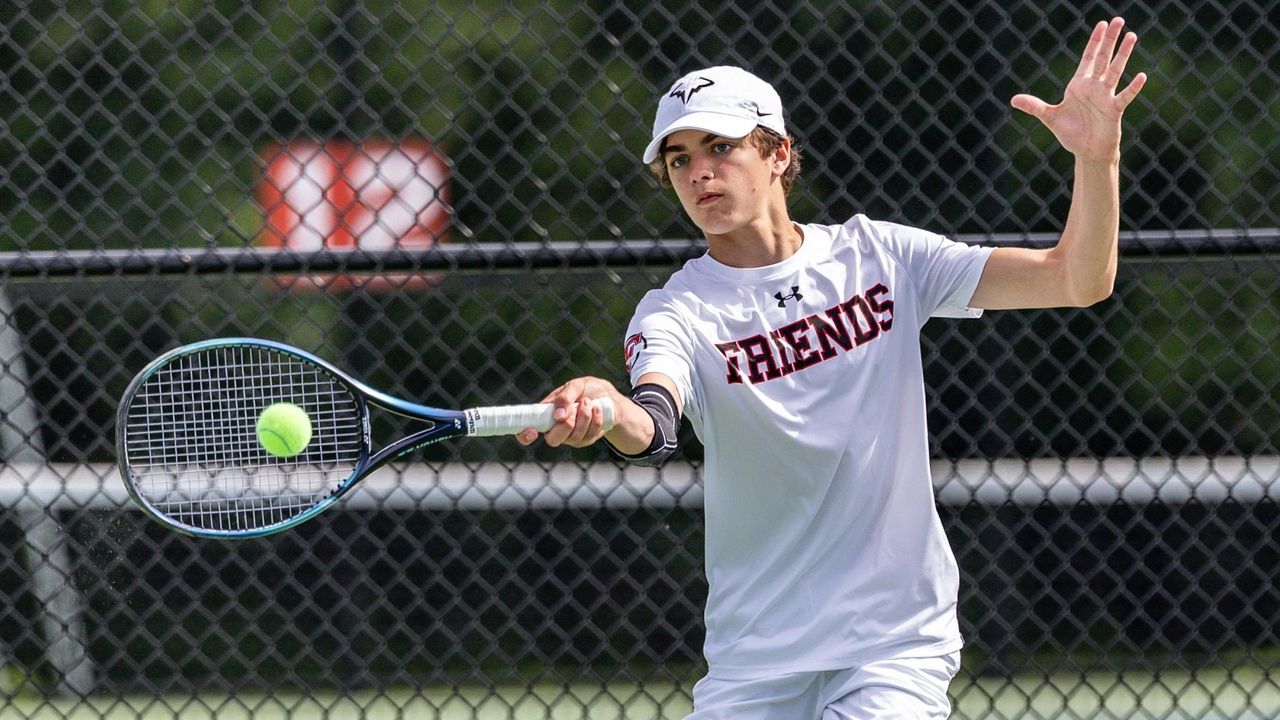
(768, 142)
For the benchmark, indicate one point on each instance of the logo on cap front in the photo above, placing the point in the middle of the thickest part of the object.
(685, 89)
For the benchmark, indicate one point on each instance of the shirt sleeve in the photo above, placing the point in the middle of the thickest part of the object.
(658, 341)
(945, 273)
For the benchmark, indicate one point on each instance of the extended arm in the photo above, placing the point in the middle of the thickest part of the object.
(579, 422)
(1080, 270)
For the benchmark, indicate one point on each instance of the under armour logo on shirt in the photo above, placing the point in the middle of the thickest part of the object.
(794, 295)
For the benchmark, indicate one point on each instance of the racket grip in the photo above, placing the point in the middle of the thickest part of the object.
(511, 419)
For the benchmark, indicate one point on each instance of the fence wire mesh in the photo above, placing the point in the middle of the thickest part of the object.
(1108, 477)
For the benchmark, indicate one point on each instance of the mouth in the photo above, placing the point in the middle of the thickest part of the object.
(706, 198)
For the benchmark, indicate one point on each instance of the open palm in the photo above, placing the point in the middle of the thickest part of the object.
(1087, 121)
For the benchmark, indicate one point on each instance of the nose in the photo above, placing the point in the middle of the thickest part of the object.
(700, 169)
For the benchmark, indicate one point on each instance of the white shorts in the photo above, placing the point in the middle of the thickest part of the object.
(904, 689)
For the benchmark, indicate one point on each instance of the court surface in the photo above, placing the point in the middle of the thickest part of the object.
(1244, 693)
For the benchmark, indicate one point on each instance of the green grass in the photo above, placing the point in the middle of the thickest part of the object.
(576, 700)
(1248, 692)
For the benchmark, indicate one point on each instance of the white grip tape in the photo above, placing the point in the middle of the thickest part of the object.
(511, 419)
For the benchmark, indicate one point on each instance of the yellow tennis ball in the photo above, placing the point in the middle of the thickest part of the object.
(284, 429)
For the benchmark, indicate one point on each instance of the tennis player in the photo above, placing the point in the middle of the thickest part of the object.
(794, 351)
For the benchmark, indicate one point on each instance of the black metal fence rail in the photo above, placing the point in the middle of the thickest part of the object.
(445, 199)
(1170, 245)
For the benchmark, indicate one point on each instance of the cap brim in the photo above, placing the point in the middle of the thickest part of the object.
(730, 126)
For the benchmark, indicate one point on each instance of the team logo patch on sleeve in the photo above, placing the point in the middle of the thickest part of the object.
(631, 349)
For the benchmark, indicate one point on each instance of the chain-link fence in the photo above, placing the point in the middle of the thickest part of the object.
(176, 171)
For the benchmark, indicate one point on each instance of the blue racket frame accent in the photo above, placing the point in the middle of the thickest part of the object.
(446, 424)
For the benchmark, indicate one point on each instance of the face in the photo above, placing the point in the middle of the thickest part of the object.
(723, 183)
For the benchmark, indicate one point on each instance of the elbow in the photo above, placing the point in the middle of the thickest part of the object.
(1079, 282)
(1093, 293)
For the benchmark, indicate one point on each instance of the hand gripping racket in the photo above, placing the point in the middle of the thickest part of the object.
(188, 447)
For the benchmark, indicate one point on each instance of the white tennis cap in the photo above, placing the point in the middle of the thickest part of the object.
(724, 100)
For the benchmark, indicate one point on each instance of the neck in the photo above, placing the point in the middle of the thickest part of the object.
(767, 240)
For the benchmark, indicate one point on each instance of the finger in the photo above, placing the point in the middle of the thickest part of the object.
(565, 400)
(558, 434)
(581, 424)
(597, 422)
(563, 409)
(565, 416)
(1107, 47)
(1091, 50)
(1030, 105)
(593, 427)
(1115, 71)
(1127, 95)
(528, 435)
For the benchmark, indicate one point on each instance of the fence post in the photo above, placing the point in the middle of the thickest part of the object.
(45, 550)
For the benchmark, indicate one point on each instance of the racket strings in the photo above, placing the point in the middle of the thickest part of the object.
(192, 446)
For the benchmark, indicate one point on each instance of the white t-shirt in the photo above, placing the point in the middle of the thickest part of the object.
(804, 382)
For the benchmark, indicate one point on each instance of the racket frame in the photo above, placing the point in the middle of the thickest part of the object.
(445, 424)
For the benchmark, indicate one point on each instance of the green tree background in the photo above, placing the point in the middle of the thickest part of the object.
(141, 125)
(128, 124)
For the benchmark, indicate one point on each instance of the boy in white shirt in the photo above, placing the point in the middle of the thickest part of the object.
(794, 351)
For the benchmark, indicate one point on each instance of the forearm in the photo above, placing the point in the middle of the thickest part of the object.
(1081, 269)
(647, 436)
(1088, 250)
(633, 428)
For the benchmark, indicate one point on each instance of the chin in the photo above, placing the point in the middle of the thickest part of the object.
(714, 223)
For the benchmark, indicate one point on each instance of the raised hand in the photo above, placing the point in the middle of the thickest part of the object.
(1087, 121)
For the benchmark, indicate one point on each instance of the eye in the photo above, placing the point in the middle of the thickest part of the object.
(721, 148)
(678, 161)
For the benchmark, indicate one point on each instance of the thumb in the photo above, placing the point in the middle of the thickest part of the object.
(1030, 104)
(565, 403)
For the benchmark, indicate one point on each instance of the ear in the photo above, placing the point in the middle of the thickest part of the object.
(782, 157)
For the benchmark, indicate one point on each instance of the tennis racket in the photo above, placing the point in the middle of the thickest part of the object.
(188, 447)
